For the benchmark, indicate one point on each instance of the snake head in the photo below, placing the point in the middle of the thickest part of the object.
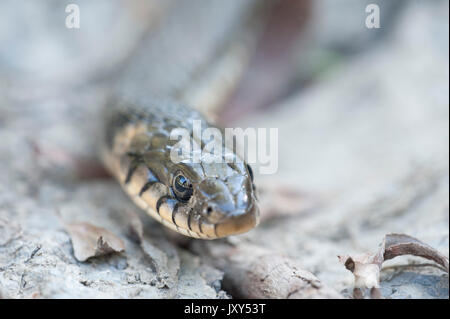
(198, 194)
(221, 197)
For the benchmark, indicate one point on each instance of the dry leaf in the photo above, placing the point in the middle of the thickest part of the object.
(366, 267)
(400, 244)
(92, 241)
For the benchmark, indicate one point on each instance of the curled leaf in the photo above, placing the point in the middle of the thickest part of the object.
(92, 241)
(400, 244)
(366, 267)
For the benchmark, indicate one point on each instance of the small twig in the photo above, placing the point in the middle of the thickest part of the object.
(33, 253)
(415, 266)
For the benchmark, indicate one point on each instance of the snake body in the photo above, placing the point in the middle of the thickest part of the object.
(197, 199)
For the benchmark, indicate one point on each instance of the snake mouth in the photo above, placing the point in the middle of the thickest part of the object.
(234, 225)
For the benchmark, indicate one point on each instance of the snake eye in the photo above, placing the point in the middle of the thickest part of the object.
(182, 188)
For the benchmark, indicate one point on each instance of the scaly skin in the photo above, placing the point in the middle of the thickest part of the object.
(136, 150)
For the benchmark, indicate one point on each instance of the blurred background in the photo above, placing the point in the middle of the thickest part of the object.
(362, 115)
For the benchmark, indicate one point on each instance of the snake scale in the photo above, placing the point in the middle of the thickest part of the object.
(185, 60)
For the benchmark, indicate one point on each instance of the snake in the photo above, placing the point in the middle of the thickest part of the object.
(154, 95)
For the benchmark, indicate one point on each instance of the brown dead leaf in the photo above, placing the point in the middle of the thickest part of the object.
(366, 267)
(400, 244)
(92, 241)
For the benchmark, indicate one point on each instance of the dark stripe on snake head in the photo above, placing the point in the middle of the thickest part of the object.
(161, 201)
(174, 212)
(189, 220)
(146, 187)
